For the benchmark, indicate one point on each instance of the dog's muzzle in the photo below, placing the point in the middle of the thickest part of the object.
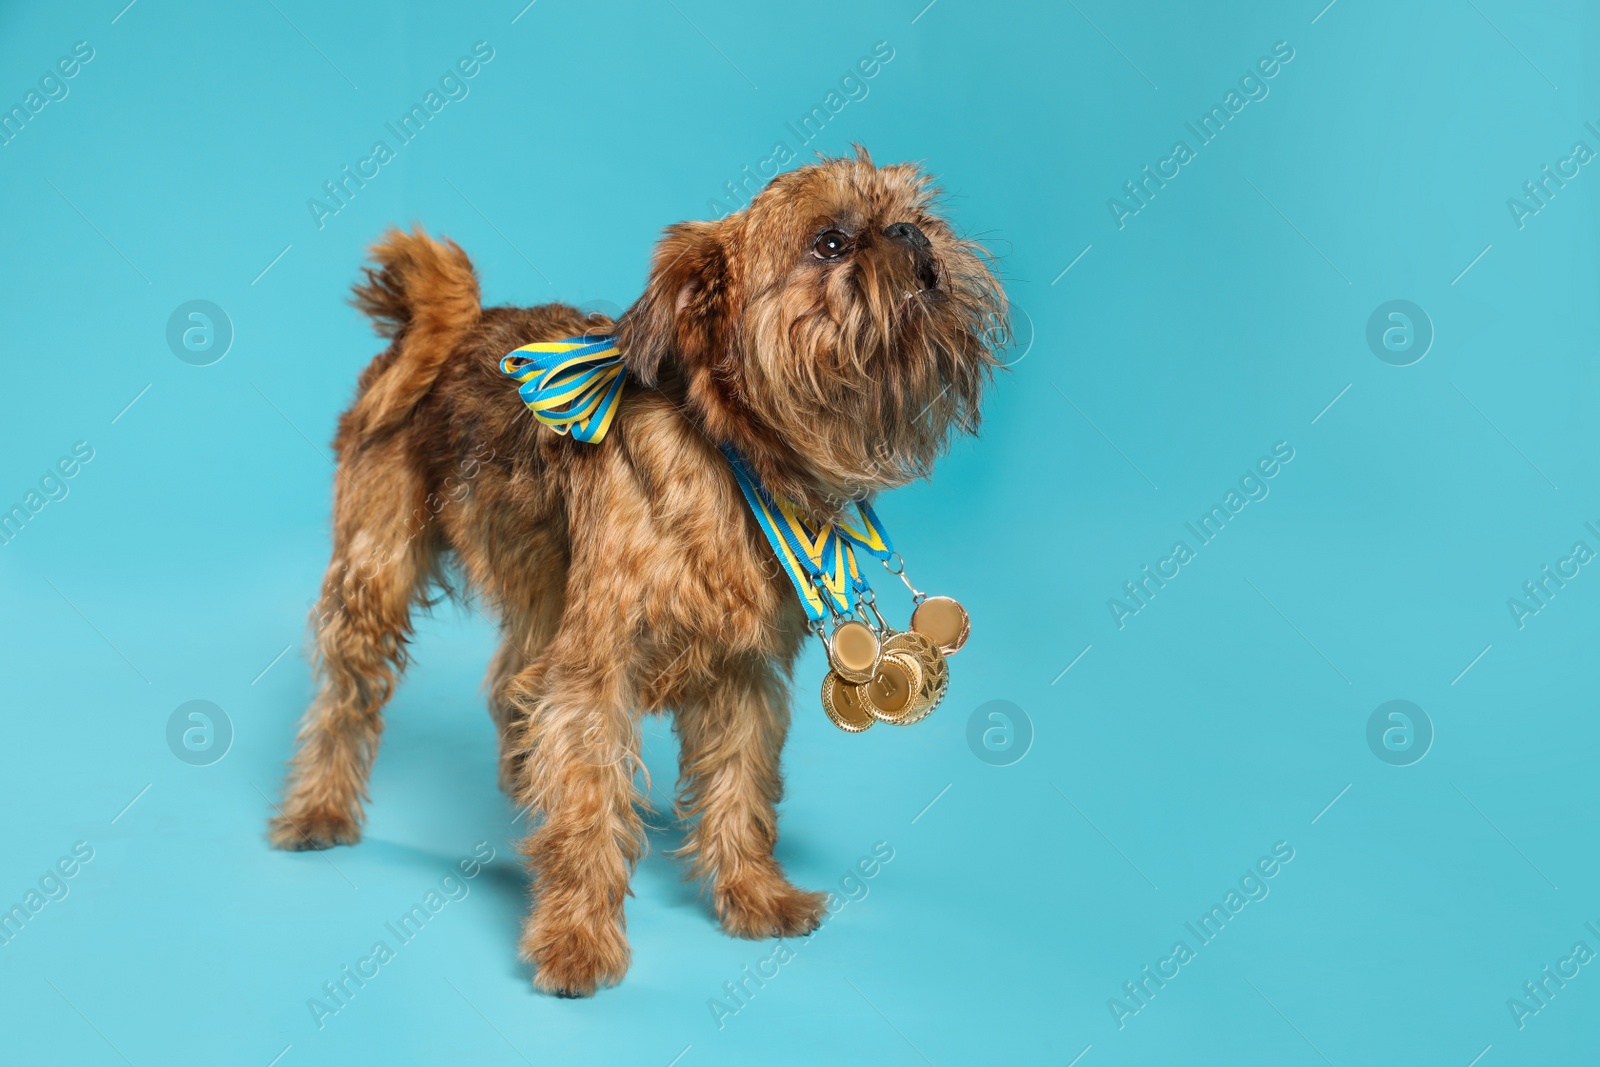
(921, 251)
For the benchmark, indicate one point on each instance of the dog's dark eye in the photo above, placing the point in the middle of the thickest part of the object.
(831, 244)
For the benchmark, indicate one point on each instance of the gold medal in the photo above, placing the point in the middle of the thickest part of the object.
(891, 694)
(853, 651)
(934, 668)
(943, 621)
(842, 706)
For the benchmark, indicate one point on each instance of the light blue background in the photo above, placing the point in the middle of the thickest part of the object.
(1220, 720)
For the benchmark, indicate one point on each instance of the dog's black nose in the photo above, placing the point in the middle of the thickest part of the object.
(907, 234)
(905, 231)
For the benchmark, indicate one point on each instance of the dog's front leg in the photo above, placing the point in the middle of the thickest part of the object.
(731, 735)
(583, 749)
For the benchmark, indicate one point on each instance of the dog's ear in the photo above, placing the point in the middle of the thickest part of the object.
(680, 312)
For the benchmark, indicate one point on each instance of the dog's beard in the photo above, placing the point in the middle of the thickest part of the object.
(866, 373)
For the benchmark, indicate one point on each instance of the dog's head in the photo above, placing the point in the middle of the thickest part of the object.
(835, 331)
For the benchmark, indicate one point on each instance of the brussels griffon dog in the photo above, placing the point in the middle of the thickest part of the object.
(835, 332)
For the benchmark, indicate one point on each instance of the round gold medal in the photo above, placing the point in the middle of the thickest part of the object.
(943, 621)
(853, 651)
(892, 692)
(935, 673)
(842, 706)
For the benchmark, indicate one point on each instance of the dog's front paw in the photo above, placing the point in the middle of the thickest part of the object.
(767, 905)
(573, 960)
(301, 831)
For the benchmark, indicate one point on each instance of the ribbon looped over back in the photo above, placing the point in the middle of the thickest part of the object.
(572, 386)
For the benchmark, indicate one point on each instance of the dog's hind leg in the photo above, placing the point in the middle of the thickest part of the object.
(424, 294)
(383, 558)
(730, 736)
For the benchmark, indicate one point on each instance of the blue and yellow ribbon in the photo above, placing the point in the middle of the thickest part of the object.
(572, 386)
(870, 535)
(796, 563)
(820, 561)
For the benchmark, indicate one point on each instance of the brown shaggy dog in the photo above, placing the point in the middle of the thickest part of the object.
(834, 332)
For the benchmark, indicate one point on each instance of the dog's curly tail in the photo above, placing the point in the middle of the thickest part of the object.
(424, 294)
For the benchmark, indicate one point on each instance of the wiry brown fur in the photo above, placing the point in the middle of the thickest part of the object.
(628, 576)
